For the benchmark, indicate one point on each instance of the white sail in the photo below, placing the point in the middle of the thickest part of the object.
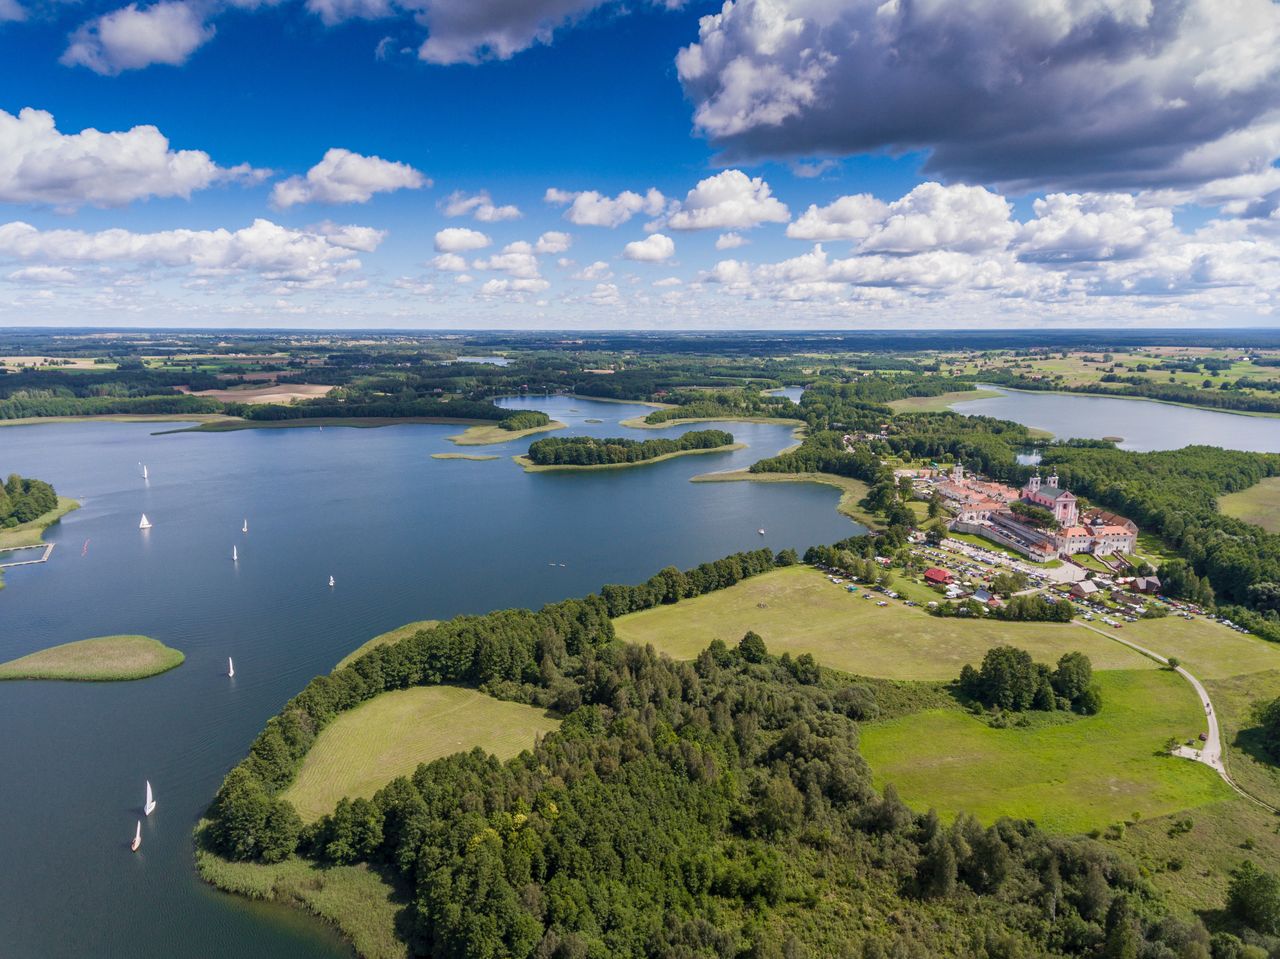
(330, 580)
(137, 837)
(144, 523)
(245, 527)
(144, 471)
(235, 557)
(231, 667)
(760, 531)
(151, 801)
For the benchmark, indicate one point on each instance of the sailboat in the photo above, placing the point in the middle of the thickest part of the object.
(235, 557)
(144, 471)
(245, 527)
(137, 837)
(331, 581)
(144, 523)
(760, 531)
(231, 668)
(151, 801)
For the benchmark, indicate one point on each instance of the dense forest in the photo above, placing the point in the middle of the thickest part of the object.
(591, 451)
(718, 808)
(23, 499)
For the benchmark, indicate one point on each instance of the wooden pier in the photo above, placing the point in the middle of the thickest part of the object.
(44, 557)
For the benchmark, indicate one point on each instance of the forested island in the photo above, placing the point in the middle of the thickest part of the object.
(589, 451)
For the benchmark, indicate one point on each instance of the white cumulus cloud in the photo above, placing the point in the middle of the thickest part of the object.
(479, 205)
(134, 37)
(458, 239)
(345, 177)
(728, 200)
(652, 249)
(553, 241)
(591, 208)
(39, 164)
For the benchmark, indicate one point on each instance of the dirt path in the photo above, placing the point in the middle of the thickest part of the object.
(1211, 752)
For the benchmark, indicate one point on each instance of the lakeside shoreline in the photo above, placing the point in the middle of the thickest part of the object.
(638, 423)
(491, 434)
(1119, 396)
(32, 533)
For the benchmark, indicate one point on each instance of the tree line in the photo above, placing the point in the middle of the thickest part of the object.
(1009, 679)
(23, 499)
(591, 451)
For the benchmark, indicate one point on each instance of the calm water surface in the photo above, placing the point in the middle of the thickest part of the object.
(1143, 425)
(405, 536)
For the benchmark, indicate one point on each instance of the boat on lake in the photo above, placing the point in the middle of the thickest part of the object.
(151, 801)
(760, 531)
(144, 523)
(235, 557)
(331, 581)
(137, 837)
(144, 471)
(231, 668)
(245, 527)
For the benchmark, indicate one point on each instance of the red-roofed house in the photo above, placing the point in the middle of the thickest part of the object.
(937, 576)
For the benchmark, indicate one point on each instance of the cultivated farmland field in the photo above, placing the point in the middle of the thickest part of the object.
(1070, 777)
(798, 610)
(390, 735)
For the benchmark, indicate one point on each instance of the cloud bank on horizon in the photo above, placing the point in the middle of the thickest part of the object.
(1067, 161)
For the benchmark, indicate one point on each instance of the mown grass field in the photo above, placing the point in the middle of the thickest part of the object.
(1070, 777)
(852, 491)
(390, 735)
(1209, 650)
(798, 610)
(101, 658)
(1250, 765)
(1259, 504)
(940, 403)
(357, 900)
(385, 639)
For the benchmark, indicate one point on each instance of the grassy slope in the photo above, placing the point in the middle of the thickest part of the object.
(385, 639)
(390, 735)
(1259, 504)
(531, 467)
(490, 433)
(852, 491)
(1209, 650)
(796, 609)
(357, 900)
(1069, 777)
(101, 658)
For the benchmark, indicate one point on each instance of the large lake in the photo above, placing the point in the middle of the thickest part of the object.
(406, 537)
(1142, 425)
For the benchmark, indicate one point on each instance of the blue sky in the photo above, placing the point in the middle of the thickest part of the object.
(977, 164)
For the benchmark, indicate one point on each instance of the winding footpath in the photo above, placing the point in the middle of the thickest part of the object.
(1211, 752)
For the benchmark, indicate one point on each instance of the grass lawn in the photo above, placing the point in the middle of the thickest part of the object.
(1209, 650)
(491, 433)
(852, 491)
(1069, 777)
(102, 658)
(796, 609)
(386, 639)
(1259, 504)
(1153, 549)
(362, 904)
(465, 456)
(531, 467)
(940, 403)
(390, 735)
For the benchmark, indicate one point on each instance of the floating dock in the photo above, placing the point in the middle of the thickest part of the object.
(44, 557)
